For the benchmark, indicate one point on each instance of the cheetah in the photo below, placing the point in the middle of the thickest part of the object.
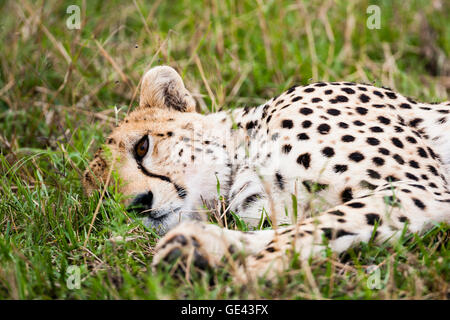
(328, 164)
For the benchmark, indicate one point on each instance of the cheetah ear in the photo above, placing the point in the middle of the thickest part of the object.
(162, 87)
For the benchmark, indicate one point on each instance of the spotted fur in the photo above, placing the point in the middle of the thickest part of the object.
(370, 160)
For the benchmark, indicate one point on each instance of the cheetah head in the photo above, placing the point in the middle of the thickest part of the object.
(139, 151)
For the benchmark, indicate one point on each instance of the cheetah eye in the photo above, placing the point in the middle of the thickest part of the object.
(141, 148)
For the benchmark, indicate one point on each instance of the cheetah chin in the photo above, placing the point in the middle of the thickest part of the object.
(335, 161)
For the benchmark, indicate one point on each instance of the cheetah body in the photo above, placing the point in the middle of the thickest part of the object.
(331, 160)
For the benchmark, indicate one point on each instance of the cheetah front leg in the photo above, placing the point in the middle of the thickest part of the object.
(380, 216)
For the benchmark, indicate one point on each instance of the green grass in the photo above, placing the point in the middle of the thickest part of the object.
(61, 90)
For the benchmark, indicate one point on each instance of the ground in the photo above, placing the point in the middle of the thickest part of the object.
(61, 89)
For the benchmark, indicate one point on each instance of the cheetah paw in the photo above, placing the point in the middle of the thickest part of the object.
(186, 246)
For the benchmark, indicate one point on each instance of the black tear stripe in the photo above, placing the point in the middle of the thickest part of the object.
(180, 190)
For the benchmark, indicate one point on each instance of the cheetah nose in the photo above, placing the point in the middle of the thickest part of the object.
(142, 202)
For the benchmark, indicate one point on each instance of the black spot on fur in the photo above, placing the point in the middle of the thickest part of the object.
(348, 90)
(348, 138)
(328, 152)
(288, 124)
(338, 99)
(250, 199)
(356, 205)
(373, 174)
(378, 93)
(305, 111)
(337, 213)
(405, 106)
(366, 185)
(364, 98)
(361, 110)
(334, 112)
(323, 128)
(384, 120)
(259, 256)
(287, 148)
(391, 95)
(347, 195)
(421, 151)
(376, 129)
(415, 122)
(411, 100)
(302, 136)
(411, 176)
(339, 168)
(419, 203)
(433, 155)
(304, 160)
(411, 139)
(398, 158)
(433, 170)
(279, 180)
(403, 219)
(373, 218)
(356, 156)
(441, 120)
(306, 124)
(328, 233)
(418, 186)
(373, 141)
(397, 142)
(378, 161)
(250, 125)
(291, 89)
